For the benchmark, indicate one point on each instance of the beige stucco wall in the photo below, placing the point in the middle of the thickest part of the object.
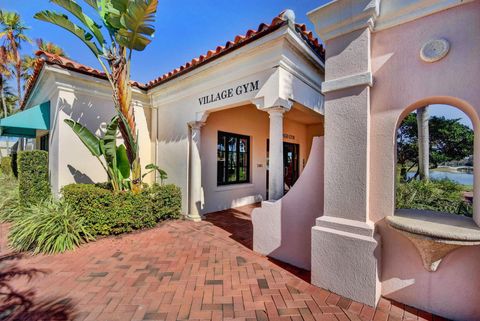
(404, 82)
(286, 74)
(246, 120)
(87, 101)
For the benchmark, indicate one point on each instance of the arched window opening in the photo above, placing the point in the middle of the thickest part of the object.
(435, 147)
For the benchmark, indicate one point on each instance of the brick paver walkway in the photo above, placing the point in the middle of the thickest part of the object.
(177, 271)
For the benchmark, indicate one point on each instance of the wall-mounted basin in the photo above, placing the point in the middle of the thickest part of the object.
(435, 234)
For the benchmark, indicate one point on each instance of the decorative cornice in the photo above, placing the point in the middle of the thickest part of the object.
(363, 79)
(196, 124)
(394, 13)
(341, 17)
(282, 103)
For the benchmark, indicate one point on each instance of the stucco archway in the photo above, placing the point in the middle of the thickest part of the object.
(472, 114)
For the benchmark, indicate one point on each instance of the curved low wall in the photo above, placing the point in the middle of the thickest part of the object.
(282, 229)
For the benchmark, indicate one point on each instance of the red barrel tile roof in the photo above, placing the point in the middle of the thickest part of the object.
(239, 41)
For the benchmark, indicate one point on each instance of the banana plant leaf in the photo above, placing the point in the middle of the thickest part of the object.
(92, 3)
(137, 24)
(65, 23)
(109, 143)
(72, 7)
(88, 139)
(123, 164)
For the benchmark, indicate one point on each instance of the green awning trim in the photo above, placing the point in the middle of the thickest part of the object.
(27, 122)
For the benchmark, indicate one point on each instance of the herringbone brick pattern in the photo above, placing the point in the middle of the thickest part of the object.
(182, 270)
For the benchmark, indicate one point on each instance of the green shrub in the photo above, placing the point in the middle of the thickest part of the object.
(48, 227)
(107, 212)
(436, 195)
(6, 166)
(34, 185)
(165, 201)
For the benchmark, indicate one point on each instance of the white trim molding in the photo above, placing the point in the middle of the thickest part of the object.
(363, 79)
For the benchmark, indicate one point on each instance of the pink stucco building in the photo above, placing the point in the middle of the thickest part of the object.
(383, 60)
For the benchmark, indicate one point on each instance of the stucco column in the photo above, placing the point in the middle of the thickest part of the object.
(195, 177)
(345, 248)
(275, 167)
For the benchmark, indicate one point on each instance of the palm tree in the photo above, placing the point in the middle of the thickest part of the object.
(4, 75)
(12, 31)
(9, 99)
(28, 62)
(423, 143)
(51, 48)
(129, 26)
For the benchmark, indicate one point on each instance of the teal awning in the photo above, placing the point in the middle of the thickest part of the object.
(27, 122)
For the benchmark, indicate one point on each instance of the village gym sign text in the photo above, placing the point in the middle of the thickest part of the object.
(229, 93)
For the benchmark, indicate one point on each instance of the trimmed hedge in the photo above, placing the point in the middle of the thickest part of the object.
(165, 201)
(106, 212)
(33, 182)
(6, 166)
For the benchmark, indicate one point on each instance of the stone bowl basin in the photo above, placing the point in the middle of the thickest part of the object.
(435, 234)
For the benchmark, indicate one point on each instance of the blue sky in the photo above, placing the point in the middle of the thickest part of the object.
(184, 30)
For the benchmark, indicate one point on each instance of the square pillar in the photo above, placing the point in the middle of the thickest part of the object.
(195, 172)
(345, 248)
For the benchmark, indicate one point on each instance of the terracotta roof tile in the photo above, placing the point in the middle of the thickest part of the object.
(240, 40)
(51, 59)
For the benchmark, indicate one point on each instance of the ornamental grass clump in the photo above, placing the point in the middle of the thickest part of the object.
(435, 195)
(9, 200)
(6, 165)
(48, 227)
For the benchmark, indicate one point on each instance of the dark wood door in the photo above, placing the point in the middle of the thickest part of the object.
(290, 164)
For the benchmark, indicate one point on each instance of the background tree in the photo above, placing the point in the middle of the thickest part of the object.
(5, 74)
(12, 31)
(28, 62)
(423, 143)
(449, 140)
(129, 26)
(9, 100)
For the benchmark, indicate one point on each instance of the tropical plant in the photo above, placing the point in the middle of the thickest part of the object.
(129, 26)
(48, 227)
(154, 168)
(115, 159)
(12, 31)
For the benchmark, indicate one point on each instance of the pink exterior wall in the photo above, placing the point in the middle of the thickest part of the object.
(282, 229)
(404, 82)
